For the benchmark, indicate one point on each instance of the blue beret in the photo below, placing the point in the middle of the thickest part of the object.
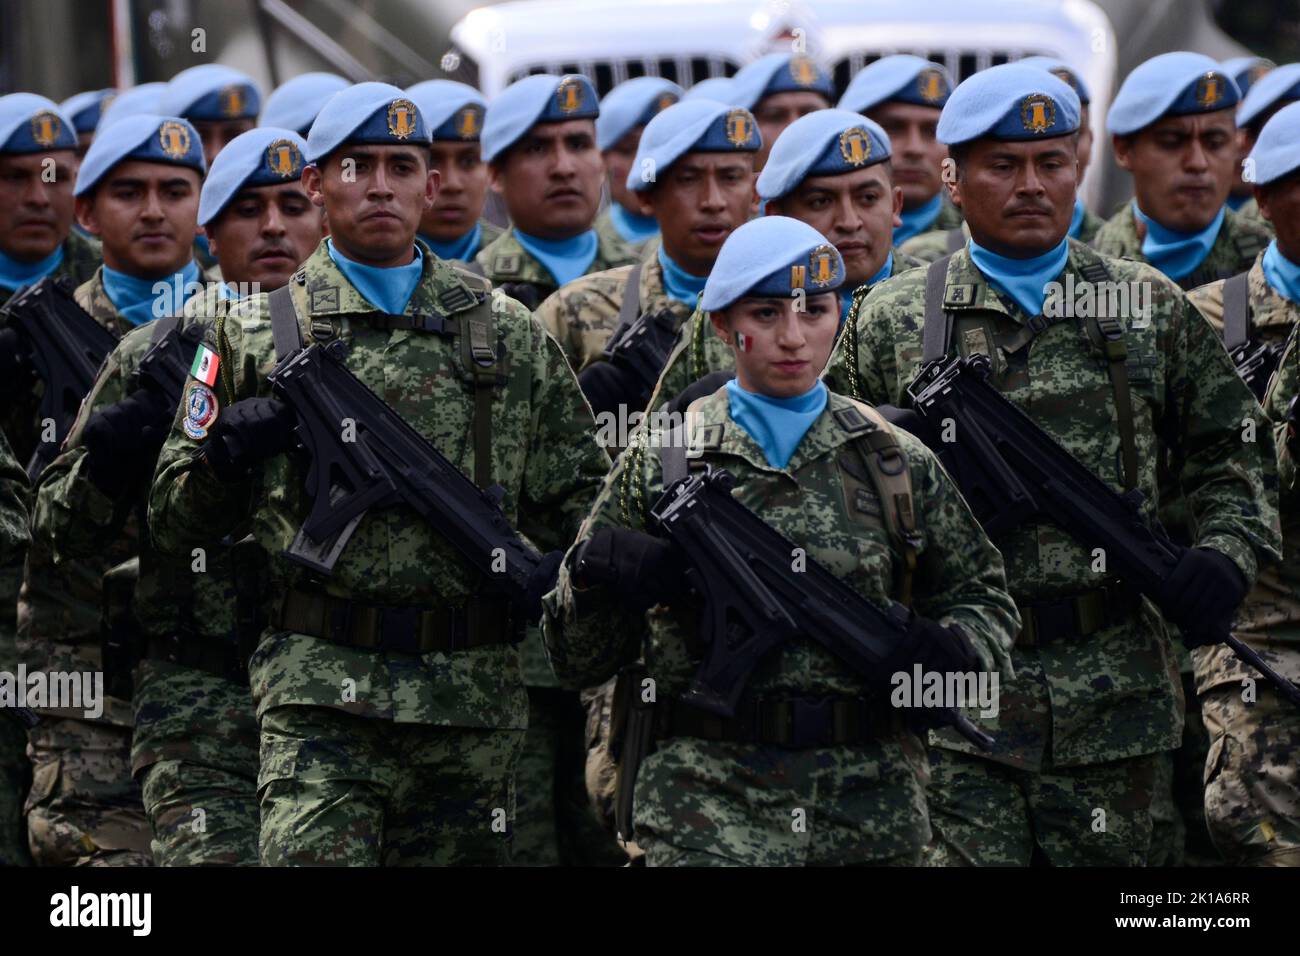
(779, 73)
(633, 103)
(1009, 102)
(84, 108)
(1062, 71)
(132, 102)
(1276, 152)
(714, 88)
(365, 113)
(294, 103)
(898, 79)
(1172, 84)
(772, 256)
(266, 156)
(1246, 70)
(824, 143)
(692, 126)
(211, 91)
(454, 111)
(1274, 87)
(148, 137)
(33, 124)
(542, 98)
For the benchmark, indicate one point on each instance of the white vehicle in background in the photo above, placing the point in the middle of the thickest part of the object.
(692, 40)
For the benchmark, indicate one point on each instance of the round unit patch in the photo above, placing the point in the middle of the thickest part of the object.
(200, 410)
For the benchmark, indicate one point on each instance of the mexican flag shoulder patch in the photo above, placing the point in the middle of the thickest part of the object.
(205, 365)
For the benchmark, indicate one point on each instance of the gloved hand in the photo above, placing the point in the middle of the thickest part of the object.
(698, 389)
(606, 387)
(910, 420)
(122, 441)
(642, 569)
(249, 432)
(1202, 596)
(940, 648)
(16, 372)
(524, 292)
(529, 605)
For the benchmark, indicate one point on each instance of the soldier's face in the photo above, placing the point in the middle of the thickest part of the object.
(780, 349)
(146, 216)
(618, 163)
(700, 199)
(36, 202)
(1018, 198)
(462, 193)
(917, 156)
(856, 211)
(215, 134)
(551, 179)
(1279, 203)
(775, 112)
(1183, 167)
(265, 233)
(375, 198)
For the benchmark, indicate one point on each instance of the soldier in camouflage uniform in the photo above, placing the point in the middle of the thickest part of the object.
(539, 141)
(751, 790)
(624, 112)
(1252, 788)
(138, 189)
(14, 773)
(454, 228)
(194, 749)
(1096, 694)
(1173, 128)
(392, 737)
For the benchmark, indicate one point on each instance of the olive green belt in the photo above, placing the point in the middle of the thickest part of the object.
(793, 722)
(1075, 616)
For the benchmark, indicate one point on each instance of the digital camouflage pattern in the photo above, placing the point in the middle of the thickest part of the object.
(932, 245)
(544, 457)
(1249, 210)
(1238, 242)
(506, 261)
(732, 801)
(1272, 317)
(605, 228)
(14, 772)
(698, 350)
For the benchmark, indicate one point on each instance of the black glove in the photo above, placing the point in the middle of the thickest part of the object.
(936, 647)
(524, 292)
(250, 431)
(122, 441)
(16, 372)
(607, 387)
(1202, 596)
(642, 569)
(910, 420)
(529, 604)
(698, 389)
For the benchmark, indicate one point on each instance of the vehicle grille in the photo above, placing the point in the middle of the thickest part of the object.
(959, 63)
(606, 74)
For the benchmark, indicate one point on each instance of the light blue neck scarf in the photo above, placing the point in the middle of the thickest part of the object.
(14, 273)
(564, 259)
(917, 220)
(386, 288)
(1076, 219)
(1177, 253)
(142, 300)
(632, 226)
(463, 248)
(776, 424)
(1282, 275)
(678, 283)
(1022, 279)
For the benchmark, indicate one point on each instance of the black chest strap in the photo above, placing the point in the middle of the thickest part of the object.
(1236, 311)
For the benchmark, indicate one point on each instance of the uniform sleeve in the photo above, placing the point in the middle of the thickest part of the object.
(553, 314)
(960, 577)
(863, 364)
(1229, 469)
(1281, 390)
(14, 534)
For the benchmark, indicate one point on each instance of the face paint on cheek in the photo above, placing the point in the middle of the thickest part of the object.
(744, 342)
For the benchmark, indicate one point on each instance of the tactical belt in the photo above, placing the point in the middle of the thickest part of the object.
(798, 723)
(206, 653)
(1076, 616)
(408, 630)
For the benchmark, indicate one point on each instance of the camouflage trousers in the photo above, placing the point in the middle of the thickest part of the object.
(989, 814)
(340, 790)
(201, 816)
(15, 777)
(554, 824)
(84, 809)
(709, 803)
(1178, 830)
(1252, 774)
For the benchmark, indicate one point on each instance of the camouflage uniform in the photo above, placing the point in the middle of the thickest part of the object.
(1252, 787)
(508, 264)
(722, 802)
(608, 232)
(194, 747)
(1081, 723)
(14, 539)
(371, 756)
(1238, 242)
(932, 245)
(1249, 210)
